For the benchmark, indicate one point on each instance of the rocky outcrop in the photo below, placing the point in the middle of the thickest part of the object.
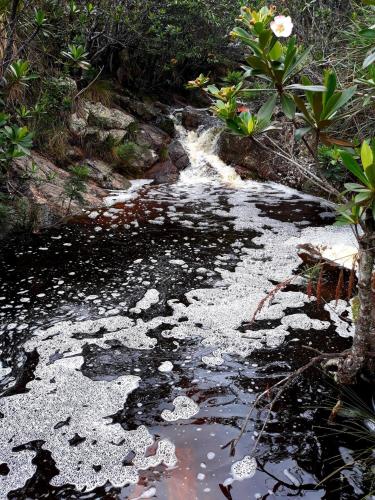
(99, 115)
(96, 122)
(45, 187)
(257, 160)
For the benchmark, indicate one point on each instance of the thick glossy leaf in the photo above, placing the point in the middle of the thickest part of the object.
(291, 51)
(361, 197)
(294, 65)
(370, 174)
(368, 33)
(258, 63)
(317, 105)
(330, 82)
(264, 38)
(259, 28)
(264, 115)
(335, 103)
(352, 165)
(276, 52)
(353, 186)
(367, 156)
(247, 39)
(312, 88)
(288, 105)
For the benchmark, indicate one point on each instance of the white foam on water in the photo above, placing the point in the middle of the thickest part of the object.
(335, 243)
(244, 469)
(166, 367)
(121, 196)
(151, 297)
(60, 394)
(184, 408)
(60, 391)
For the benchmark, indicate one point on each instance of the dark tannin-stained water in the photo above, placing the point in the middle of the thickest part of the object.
(129, 360)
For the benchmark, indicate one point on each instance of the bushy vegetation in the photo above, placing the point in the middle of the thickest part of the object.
(54, 52)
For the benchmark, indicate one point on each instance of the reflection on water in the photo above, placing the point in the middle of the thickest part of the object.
(208, 252)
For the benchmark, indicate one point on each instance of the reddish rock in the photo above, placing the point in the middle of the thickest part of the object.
(163, 172)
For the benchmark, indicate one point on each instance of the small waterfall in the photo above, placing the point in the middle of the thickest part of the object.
(205, 164)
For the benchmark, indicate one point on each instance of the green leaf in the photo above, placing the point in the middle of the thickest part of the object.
(368, 33)
(247, 39)
(293, 66)
(276, 52)
(258, 64)
(312, 88)
(361, 197)
(330, 82)
(289, 106)
(367, 156)
(264, 115)
(337, 101)
(353, 186)
(370, 59)
(370, 174)
(291, 51)
(352, 165)
(264, 38)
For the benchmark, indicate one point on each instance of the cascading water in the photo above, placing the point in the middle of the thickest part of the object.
(128, 354)
(206, 166)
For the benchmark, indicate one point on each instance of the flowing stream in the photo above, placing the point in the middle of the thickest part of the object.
(128, 355)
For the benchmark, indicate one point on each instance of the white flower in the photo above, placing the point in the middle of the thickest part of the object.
(282, 26)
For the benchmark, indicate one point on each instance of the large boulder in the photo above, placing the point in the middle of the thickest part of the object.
(151, 137)
(178, 155)
(99, 115)
(166, 124)
(77, 125)
(99, 137)
(45, 190)
(163, 173)
(193, 118)
(105, 176)
(143, 158)
(257, 159)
